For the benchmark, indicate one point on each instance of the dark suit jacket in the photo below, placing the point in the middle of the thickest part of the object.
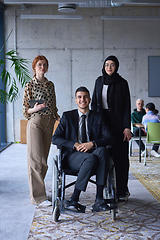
(66, 134)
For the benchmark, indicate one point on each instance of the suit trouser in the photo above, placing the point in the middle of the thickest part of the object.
(39, 134)
(87, 164)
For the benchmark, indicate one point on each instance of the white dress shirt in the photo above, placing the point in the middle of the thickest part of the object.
(104, 96)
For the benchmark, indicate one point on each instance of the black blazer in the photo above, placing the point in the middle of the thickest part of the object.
(120, 106)
(66, 134)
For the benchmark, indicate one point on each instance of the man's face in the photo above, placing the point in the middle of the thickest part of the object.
(83, 100)
(139, 105)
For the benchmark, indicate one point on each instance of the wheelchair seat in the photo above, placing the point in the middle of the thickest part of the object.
(59, 186)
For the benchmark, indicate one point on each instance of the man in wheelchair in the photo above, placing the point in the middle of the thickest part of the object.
(84, 136)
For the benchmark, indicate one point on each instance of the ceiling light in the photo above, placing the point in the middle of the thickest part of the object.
(130, 17)
(67, 8)
(76, 17)
(117, 4)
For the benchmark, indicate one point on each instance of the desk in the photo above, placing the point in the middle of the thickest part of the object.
(139, 125)
(23, 126)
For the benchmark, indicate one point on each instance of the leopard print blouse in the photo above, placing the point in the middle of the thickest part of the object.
(35, 90)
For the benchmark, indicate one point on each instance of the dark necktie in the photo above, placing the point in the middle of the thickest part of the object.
(84, 136)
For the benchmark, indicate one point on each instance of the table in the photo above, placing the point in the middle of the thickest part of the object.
(139, 125)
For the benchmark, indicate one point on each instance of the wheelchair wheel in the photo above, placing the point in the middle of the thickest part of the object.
(113, 214)
(110, 189)
(55, 182)
(56, 213)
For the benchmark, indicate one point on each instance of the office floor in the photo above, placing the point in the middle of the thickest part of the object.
(139, 218)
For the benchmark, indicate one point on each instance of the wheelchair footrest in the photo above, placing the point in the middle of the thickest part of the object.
(113, 206)
(73, 206)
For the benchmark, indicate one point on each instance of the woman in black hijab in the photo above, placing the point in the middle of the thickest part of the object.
(111, 97)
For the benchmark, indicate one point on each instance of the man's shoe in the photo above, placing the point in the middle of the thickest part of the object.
(100, 206)
(74, 206)
(143, 153)
(155, 154)
(125, 197)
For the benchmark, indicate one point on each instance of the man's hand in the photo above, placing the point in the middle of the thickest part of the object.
(127, 134)
(83, 147)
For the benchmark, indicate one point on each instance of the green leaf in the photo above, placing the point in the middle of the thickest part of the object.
(3, 96)
(20, 67)
(6, 40)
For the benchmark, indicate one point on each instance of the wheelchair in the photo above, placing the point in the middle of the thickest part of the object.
(59, 186)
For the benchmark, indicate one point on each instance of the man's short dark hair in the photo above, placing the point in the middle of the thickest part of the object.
(82, 89)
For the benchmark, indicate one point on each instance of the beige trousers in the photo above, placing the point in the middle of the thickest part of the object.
(39, 135)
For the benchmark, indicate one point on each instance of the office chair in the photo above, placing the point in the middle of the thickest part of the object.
(153, 136)
(134, 138)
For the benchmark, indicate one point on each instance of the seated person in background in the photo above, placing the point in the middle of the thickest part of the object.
(151, 117)
(136, 117)
(84, 148)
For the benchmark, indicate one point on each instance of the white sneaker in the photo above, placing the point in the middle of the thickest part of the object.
(143, 153)
(155, 154)
(45, 203)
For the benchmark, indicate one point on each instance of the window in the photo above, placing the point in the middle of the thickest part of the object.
(2, 106)
(154, 76)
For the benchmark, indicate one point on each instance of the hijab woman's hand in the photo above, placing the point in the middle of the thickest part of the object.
(127, 134)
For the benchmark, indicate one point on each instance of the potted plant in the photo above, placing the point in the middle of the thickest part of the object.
(19, 65)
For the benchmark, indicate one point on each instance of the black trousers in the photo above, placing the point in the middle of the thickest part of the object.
(119, 152)
(88, 164)
(121, 160)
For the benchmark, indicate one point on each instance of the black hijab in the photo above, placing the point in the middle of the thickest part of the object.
(115, 88)
(115, 77)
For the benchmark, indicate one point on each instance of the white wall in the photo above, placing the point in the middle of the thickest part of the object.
(76, 50)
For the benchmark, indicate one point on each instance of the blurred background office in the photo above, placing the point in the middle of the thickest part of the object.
(76, 39)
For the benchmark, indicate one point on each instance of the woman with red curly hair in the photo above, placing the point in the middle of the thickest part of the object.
(39, 107)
